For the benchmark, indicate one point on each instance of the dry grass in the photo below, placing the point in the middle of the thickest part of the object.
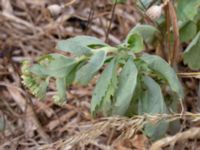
(127, 129)
(29, 30)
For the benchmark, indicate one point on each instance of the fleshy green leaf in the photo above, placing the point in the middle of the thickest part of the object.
(38, 69)
(57, 66)
(37, 84)
(135, 42)
(72, 75)
(133, 107)
(126, 87)
(191, 55)
(102, 86)
(152, 102)
(188, 31)
(187, 9)
(60, 98)
(79, 45)
(160, 66)
(148, 33)
(156, 131)
(42, 89)
(85, 73)
(60, 66)
(107, 101)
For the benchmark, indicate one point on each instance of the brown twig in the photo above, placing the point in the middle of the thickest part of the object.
(168, 29)
(69, 3)
(91, 15)
(26, 105)
(189, 75)
(173, 18)
(189, 134)
(31, 112)
(111, 20)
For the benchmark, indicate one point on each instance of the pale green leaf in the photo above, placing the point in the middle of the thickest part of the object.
(107, 101)
(38, 69)
(188, 31)
(60, 71)
(79, 45)
(102, 86)
(57, 66)
(148, 33)
(126, 87)
(152, 102)
(161, 67)
(133, 107)
(42, 89)
(191, 55)
(135, 42)
(187, 9)
(72, 75)
(60, 98)
(60, 66)
(156, 131)
(85, 73)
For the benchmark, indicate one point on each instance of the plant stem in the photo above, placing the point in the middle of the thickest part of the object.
(108, 49)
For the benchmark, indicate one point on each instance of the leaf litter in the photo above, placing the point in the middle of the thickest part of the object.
(28, 30)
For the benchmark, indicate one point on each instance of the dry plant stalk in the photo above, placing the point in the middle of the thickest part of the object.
(127, 126)
(172, 140)
(190, 75)
(173, 17)
(154, 12)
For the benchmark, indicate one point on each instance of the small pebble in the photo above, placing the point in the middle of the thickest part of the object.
(154, 12)
(55, 9)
